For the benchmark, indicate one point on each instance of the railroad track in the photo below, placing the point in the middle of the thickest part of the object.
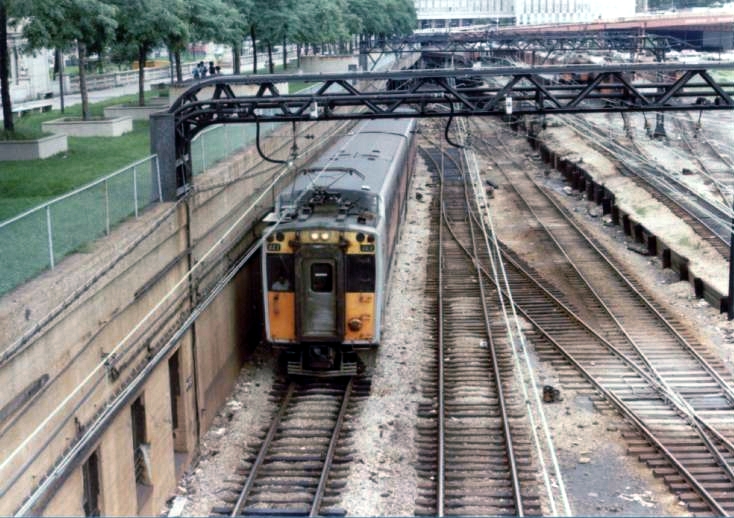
(302, 462)
(709, 220)
(644, 363)
(475, 454)
(716, 168)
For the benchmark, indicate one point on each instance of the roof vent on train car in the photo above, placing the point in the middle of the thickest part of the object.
(304, 213)
(364, 217)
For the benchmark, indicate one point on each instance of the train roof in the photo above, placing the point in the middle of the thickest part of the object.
(353, 174)
(368, 158)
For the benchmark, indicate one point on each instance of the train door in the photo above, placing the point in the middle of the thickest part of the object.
(319, 313)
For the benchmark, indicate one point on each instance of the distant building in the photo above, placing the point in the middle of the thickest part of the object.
(445, 14)
(30, 76)
(540, 12)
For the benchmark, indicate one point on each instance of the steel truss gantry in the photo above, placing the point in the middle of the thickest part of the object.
(429, 93)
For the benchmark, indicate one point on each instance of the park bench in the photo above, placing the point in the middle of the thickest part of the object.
(23, 109)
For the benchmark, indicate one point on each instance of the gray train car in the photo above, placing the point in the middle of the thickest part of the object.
(326, 260)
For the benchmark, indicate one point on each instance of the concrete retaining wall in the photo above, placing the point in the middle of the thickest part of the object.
(60, 326)
(328, 64)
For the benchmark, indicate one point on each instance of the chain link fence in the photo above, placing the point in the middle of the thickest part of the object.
(218, 142)
(38, 239)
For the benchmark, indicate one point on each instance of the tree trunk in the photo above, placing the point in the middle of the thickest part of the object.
(298, 55)
(254, 49)
(271, 66)
(81, 51)
(179, 70)
(4, 68)
(236, 56)
(285, 55)
(171, 65)
(142, 52)
(59, 56)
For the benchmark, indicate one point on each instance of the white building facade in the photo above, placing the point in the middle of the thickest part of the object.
(445, 14)
(30, 76)
(541, 12)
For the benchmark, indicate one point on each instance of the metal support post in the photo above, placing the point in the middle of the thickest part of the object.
(50, 236)
(730, 305)
(107, 207)
(135, 190)
(162, 144)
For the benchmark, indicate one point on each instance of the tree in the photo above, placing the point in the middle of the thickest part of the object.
(321, 21)
(8, 10)
(269, 25)
(177, 39)
(206, 20)
(143, 25)
(238, 28)
(382, 18)
(88, 24)
(402, 15)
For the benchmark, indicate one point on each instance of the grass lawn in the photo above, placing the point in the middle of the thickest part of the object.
(27, 183)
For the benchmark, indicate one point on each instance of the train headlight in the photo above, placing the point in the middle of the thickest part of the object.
(325, 236)
(314, 236)
(360, 237)
(355, 324)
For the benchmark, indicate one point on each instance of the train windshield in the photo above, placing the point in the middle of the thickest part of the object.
(281, 273)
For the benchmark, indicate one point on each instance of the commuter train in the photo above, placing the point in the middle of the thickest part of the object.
(326, 258)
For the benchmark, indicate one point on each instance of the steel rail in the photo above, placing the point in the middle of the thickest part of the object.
(329, 457)
(619, 402)
(707, 170)
(513, 470)
(726, 386)
(514, 474)
(654, 174)
(658, 382)
(441, 467)
(612, 398)
(240, 503)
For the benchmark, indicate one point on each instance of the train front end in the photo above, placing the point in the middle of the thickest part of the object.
(320, 277)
